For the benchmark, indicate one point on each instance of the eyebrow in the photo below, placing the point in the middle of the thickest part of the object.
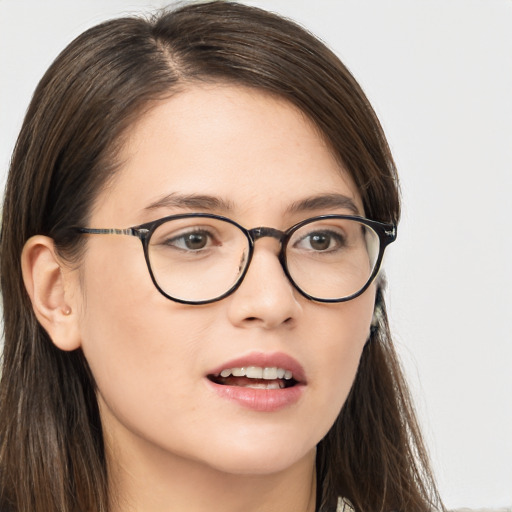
(205, 202)
(191, 201)
(324, 202)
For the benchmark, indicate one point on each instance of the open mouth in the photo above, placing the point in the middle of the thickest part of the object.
(255, 377)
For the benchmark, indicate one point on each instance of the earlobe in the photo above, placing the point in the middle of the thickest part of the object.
(49, 286)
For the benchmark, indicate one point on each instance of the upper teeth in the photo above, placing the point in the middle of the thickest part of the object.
(255, 372)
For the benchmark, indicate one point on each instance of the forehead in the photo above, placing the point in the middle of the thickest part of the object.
(251, 149)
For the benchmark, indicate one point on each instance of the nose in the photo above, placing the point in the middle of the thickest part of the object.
(266, 298)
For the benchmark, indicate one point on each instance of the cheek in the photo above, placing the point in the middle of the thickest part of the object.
(115, 287)
(128, 334)
(339, 337)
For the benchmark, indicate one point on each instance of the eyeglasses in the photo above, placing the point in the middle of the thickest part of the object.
(200, 258)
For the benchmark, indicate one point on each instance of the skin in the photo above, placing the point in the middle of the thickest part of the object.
(172, 443)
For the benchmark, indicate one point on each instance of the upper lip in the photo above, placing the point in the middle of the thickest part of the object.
(265, 360)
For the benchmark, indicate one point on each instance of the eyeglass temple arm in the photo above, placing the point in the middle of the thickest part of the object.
(139, 233)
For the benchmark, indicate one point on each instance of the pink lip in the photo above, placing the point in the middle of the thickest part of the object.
(262, 400)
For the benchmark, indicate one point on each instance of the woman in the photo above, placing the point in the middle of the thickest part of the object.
(241, 358)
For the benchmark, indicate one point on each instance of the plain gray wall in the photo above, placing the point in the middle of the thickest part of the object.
(439, 74)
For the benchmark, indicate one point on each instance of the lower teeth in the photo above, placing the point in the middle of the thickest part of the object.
(264, 385)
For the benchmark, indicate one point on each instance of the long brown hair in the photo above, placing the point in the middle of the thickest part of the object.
(51, 446)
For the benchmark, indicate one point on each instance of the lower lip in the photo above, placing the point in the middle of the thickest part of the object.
(261, 400)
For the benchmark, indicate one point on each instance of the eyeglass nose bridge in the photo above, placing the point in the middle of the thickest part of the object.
(262, 232)
(280, 236)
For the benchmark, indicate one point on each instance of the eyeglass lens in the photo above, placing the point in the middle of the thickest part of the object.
(199, 258)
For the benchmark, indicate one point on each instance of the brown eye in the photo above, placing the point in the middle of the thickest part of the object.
(191, 241)
(195, 241)
(320, 241)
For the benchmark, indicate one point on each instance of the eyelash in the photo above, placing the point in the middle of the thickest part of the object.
(183, 237)
(337, 237)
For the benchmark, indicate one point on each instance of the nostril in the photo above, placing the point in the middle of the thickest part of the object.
(255, 319)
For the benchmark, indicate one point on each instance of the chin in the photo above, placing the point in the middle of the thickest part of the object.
(261, 462)
(260, 452)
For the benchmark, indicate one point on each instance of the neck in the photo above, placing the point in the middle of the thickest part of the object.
(150, 480)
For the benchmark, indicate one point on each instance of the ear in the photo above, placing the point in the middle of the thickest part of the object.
(51, 288)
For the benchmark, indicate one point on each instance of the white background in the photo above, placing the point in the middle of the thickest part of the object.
(439, 74)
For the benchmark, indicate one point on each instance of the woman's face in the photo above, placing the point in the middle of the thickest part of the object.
(254, 158)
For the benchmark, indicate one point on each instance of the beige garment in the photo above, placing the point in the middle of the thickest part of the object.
(344, 505)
